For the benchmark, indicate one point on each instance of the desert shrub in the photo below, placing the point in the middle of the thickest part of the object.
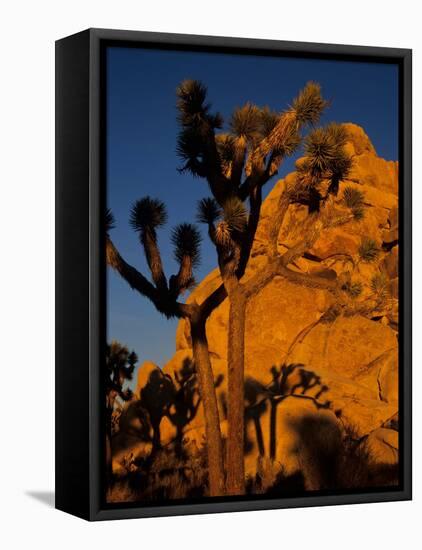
(354, 289)
(358, 213)
(379, 285)
(163, 476)
(353, 198)
(368, 250)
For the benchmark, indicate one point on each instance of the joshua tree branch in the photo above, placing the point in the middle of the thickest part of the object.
(276, 268)
(184, 279)
(161, 300)
(255, 201)
(153, 257)
(238, 161)
(277, 136)
(218, 183)
(212, 301)
(277, 222)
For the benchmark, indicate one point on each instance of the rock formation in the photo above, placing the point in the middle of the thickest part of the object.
(310, 368)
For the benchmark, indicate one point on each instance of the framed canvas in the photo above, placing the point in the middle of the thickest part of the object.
(233, 280)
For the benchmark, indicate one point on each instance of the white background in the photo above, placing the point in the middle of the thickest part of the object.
(27, 36)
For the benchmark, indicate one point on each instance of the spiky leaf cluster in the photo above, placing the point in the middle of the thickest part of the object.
(192, 107)
(197, 126)
(186, 240)
(223, 234)
(147, 213)
(226, 147)
(291, 142)
(337, 133)
(341, 165)
(354, 288)
(324, 153)
(358, 213)
(320, 151)
(190, 150)
(208, 211)
(354, 199)
(309, 104)
(379, 285)
(246, 122)
(234, 214)
(368, 250)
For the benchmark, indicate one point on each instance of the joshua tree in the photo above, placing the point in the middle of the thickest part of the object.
(237, 164)
(120, 364)
(316, 183)
(147, 215)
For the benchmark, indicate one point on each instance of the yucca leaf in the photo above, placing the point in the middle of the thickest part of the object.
(186, 240)
(246, 122)
(337, 133)
(269, 119)
(148, 213)
(352, 197)
(379, 285)
(208, 210)
(309, 104)
(223, 234)
(234, 214)
(354, 288)
(358, 213)
(192, 107)
(368, 250)
(320, 151)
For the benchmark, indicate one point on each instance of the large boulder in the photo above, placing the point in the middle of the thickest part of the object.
(345, 346)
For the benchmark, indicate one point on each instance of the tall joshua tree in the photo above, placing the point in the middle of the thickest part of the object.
(237, 164)
(146, 217)
(316, 184)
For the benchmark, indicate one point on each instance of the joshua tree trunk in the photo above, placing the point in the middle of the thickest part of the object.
(273, 428)
(236, 406)
(209, 402)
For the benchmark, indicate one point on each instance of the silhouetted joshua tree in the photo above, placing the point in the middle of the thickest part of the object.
(119, 367)
(156, 397)
(146, 216)
(185, 403)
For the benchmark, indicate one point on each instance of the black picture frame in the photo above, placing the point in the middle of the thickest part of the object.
(80, 266)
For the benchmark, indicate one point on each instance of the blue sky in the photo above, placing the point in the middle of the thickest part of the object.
(141, 149)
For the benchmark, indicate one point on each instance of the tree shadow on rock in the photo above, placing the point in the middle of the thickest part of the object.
(287, 380)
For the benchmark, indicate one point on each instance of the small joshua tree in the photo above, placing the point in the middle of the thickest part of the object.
(120, 364)
(119, 367)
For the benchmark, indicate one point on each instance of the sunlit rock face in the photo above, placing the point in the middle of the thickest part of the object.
(311, 379)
